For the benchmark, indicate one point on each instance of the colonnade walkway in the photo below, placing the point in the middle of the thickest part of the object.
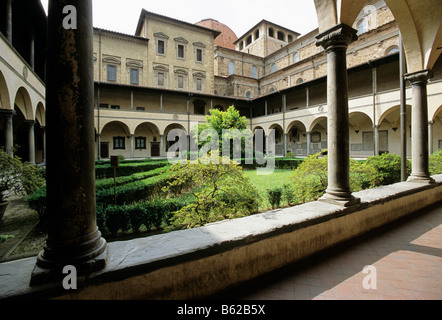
(405, 260)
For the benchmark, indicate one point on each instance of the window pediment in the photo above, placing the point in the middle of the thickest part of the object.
(134, 63)
(112, 60)
(181, 40)
(161, 68)
(199, 74)
(199, 44)
(161, 35)
(181, 71)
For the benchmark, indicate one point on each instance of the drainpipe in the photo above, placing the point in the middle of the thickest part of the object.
(375, 128)
(403, 111)
(98, 97)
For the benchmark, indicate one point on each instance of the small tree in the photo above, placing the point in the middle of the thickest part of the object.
(221, 192)
(227, 125)
(17, 177)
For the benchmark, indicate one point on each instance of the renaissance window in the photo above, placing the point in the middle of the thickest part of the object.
(362, 26)
(161, 79)
(134, 76)
(254, 72)
(180, 82)
(180, 52)
(199, 84)
(161, 47)
(119, 143)
(199, 55)
(140, 143)
(231, 67)
(111, 72)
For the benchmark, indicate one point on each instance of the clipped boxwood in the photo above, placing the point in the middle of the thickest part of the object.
(134, 191)
(109, 182)
(153, 215)
(126, 169)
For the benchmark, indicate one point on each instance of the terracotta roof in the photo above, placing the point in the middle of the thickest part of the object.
(227, 36)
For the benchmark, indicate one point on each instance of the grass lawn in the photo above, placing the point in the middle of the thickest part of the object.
(263, 182)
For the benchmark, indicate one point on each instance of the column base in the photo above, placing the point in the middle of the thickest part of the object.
(50, 272)
(342, 201)
(425, 179)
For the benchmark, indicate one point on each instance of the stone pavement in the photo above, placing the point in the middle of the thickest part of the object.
(406, 256)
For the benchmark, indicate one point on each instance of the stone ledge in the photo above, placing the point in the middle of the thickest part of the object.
(194, 263)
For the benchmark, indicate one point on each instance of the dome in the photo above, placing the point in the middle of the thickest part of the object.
(227, 36)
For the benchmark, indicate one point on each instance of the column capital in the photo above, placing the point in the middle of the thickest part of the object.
(419, 77)
(30, 122)
(7, 112)
(339, 35)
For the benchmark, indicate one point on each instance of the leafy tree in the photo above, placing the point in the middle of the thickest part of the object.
(228, 125)
(221, 192)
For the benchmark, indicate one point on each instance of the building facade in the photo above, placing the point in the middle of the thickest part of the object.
(274, 76)
(170, 73)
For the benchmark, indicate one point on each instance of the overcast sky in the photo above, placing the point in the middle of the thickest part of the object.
(239, 15)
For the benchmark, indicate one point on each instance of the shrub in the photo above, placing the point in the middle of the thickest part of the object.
(117, 219)
(309, 180)
(274, 196)
(287, 194)
(37, 201)
(17, 177)
(435, 163)
(290, 155)
(388, 167)
(220, 190)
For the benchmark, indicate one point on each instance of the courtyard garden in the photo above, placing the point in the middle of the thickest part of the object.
(144, 197)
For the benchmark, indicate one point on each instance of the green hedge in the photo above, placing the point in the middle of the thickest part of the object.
(134, 191)
(109, 182)
(127, 192)
(153, 215)
(280, 163)
(104, 171)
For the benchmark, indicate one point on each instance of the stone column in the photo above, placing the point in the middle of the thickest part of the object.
(161, 145)
(72, 234)
(132, 146)
(44, 143)
(309, 141)
(9, 134)
(9, 20)
(419, 127)
(98, 146)
(31, 141)
(430, 137)
(285, 144)
(335, 41)
(376, 140)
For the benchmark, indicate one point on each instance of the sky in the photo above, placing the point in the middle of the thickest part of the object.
(239, 15)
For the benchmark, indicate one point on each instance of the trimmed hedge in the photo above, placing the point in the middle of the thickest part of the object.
(104, 171)
(152, 214)
(134, 191)
(109, 182)
(280, 163)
